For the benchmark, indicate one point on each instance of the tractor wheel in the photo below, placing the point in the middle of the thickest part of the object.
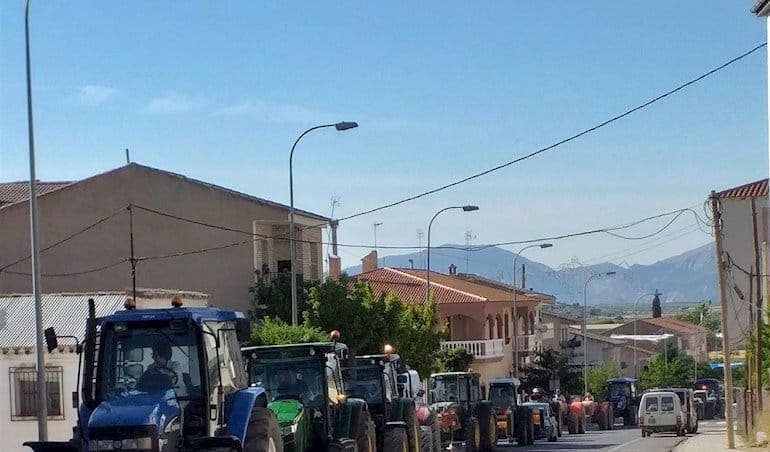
(572, 423)
(342, 445)
(600, 417)
(262, 433)
(559, 423)
(366, 435)
(610, 416)
(520, 428)
(488, 427)
(581, 424)
(435, 434)
(530, 431)
(412, 428)
(630, 418)
(426, 438)
(396, 440)
(472, 435)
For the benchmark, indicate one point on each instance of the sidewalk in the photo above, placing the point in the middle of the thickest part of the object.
(711, 439)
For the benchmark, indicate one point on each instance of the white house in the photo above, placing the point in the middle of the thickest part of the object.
(67, 314)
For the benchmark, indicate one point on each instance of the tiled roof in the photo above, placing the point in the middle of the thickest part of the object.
(487, 289)
(15, 187)
(675, 325)
(756, 189)
(507, 287)
(566, 318)
(11, 192)
(65, 312)
(411, 288)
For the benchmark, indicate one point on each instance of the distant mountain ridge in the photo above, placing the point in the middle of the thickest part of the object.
(690, 276)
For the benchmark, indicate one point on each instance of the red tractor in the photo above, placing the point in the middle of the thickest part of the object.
(600, 413)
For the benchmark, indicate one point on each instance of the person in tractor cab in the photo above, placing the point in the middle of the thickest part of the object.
(291, 386)
(163, 373)
(537, 395)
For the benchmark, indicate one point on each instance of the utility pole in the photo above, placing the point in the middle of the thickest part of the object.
(759, 311)
(721, 264)
(419, 246)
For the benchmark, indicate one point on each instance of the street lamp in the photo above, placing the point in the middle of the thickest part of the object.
(340, 126)
(515, 319)
(468, 208)
(636, 320)
(585, 328)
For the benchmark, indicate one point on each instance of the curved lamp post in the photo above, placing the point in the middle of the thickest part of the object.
(636, 320)
(468, 208)
(340, 126)
(585, 328)
(515, 318)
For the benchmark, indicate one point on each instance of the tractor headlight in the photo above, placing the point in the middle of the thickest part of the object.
(121, 444)
(289, 429)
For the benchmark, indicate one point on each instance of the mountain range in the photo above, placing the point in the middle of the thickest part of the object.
(690, 276)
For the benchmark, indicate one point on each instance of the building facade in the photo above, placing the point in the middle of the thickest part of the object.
(183, 233)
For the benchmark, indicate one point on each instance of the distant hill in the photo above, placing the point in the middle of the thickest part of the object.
(690, 276)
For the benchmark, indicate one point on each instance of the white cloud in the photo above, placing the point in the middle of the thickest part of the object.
(93, 95)
(171, 102)
(284, 113)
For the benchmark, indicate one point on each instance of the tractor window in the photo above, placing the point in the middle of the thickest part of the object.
(620, 390)
(464, 395)
(148, 357)
(332, 378)
(230, 360)
(299, 379)
(502, 395)
(444, 390)
(388, 386)
(475, 388)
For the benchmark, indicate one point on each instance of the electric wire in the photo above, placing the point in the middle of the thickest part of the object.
(563, 141)
(76, 273)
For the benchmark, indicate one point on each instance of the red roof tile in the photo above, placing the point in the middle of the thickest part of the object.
(756, 189)
(675, 325)
(412, 288)
(11, 192)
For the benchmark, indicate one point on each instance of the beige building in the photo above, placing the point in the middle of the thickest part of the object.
(475, 311)
(742, 207)
(688, 338)
(186, 234)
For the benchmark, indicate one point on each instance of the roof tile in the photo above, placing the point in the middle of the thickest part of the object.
(756, 189)
(11, 192)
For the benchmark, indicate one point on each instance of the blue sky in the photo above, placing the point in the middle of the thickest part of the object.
(219, 91)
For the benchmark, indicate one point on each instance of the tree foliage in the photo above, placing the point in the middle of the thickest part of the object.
(274, 331)
(550, 364)
(272, 297)
(454, 360)
(367, 322)
(701, 314)
(597, 379)
(673, 369)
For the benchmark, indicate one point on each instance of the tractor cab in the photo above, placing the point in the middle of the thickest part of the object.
(463, 413)
(624, 398)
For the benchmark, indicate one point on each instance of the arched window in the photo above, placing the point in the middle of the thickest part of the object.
(490, 327)
(507, 328)
(531, 323)
(499, 325)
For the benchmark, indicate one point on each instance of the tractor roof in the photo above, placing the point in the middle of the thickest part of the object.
(383, 356)
(456, 374)
(505, 381)
(197, 314)
(330, 346)
(622, 380)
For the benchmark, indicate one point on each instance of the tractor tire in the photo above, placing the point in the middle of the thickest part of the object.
(488, 427)
(435, 433)
(630, 418)
(342, 445)
(559, 423)
(412, 428)
(572, 423)
(530, 431)
(610, 416)
(600, 417)
(426, 438)
(366, 434)
(472, 435)
(520, 428)
(581, 425)
(262, 432)
(396, 440)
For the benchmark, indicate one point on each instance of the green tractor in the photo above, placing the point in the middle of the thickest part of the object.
(305, 390)
(375, 379)
(464, 415)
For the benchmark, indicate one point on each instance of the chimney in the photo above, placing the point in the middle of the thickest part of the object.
(411, 264)
(369, 262)
(453, 270)
(335, 267)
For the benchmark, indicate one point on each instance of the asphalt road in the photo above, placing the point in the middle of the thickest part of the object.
(621, 439)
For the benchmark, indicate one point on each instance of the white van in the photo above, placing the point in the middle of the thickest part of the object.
(661, 411)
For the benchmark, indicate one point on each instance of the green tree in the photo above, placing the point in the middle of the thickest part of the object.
(656, 309)
(454, 360)
(597, 380)
(674, 370)
(272, 297)
(550, 365)
(701, 314)
(274, 331)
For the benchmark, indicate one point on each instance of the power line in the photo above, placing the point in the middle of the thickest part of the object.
(563, 141)
(82, 272)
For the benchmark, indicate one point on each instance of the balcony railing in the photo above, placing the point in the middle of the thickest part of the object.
(492, 348)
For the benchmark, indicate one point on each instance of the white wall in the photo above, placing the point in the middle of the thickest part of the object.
(17, 432)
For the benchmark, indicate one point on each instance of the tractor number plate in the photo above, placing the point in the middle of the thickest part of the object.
(502, 425)
(651, 420)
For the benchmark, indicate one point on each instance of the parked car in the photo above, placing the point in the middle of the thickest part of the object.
(545, 422)
(661, 411)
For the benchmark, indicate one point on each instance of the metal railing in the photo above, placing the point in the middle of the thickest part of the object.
(490, 348)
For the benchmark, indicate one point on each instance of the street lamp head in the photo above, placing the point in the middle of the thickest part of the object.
(345, 125)
(546, 245)
(470, 208)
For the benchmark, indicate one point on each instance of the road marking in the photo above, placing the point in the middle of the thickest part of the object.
(616, 449)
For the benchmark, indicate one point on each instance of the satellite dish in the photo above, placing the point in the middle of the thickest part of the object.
(543, 328)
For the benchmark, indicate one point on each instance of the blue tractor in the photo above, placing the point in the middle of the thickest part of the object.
(624, 399)
(167, 380)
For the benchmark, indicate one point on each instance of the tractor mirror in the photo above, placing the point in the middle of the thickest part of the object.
(243, 329)
(51, 341)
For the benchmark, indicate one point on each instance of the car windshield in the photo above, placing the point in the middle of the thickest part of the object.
(620, 390)
(299, 379)
(364, 383)
(140, 358)
(444, 389)
(502, 395)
